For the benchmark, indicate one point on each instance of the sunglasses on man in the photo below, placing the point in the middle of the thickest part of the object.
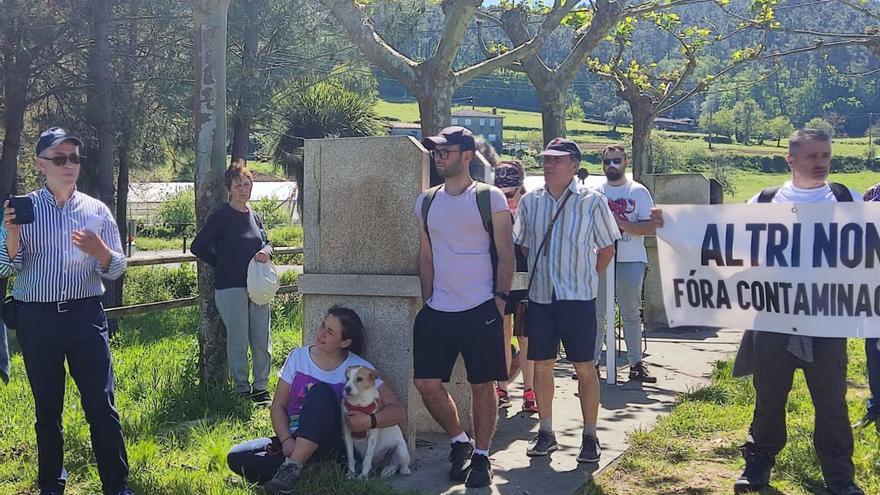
(612, 161)
(61, 160)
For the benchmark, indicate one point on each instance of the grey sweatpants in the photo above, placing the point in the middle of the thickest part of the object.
(628, 291)
(247, 324)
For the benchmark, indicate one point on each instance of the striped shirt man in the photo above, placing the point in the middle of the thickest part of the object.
(567, 265)
(48, 267)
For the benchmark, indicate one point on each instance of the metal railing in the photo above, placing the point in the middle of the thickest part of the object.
(139, 309)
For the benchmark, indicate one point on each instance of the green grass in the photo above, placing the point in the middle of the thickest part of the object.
(526, 126)
(177, 432)
(746, 183)
(158, 243)
(694, 449)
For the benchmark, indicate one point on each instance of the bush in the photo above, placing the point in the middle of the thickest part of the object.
(290, 236)
(179, 211)
(271, 212)
(158, 283)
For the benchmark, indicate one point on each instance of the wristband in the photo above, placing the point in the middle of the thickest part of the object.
(373, 422)
(501, 295)
(290, 437)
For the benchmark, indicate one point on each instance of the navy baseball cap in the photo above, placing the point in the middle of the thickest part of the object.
(53, 137)
(562, 147)
(452, 135)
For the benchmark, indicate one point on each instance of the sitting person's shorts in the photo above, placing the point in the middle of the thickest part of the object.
(477, 334)
(571, 322)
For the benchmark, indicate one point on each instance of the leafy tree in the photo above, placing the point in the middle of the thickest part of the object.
(779, 127)
(435, 79)
(749, 120)
(720, 122)
(575, 110)
(820, 123)
(321, 110)
(619, 115)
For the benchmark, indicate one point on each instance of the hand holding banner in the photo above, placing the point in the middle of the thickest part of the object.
(804, 269)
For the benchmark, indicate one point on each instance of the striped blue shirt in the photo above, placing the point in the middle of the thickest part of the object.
(48, 267)
(567, 266)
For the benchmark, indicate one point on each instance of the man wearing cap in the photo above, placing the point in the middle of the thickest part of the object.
(464, 300)
(568, 233)
(59, 260)
(631, 204)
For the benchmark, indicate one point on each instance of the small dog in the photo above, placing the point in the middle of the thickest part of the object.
(361, 395)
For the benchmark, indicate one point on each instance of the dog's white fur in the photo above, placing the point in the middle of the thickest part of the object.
(360, 390)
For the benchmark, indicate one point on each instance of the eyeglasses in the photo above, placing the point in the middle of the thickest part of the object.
(443, 153)
(612, 161)
(61, 160)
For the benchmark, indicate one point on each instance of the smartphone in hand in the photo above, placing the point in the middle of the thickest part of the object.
(24, 209)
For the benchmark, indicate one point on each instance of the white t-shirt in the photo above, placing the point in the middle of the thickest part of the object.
(632, 203)
(460, 244)
(301, 373)
(788, 193)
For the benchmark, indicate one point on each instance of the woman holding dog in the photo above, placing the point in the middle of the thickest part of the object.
(306, 409)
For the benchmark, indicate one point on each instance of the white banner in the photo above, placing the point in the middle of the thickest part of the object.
(808, 269)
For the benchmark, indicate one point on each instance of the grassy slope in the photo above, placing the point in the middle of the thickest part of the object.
(177, 432)
(520, 125)
(694, 450)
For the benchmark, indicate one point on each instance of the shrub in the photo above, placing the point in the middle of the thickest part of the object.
(179, 211)
(271, 212)
(159, 283)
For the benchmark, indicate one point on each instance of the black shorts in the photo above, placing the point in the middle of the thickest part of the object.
(572, 322)
(478, 334)
(514, 297)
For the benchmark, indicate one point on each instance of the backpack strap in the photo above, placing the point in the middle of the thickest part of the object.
(841, 192)
(484, 203)
(426, 205)
(767, 195)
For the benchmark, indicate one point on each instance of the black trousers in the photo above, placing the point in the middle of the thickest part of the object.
(320, 421)
(49, 334)
(826, 380)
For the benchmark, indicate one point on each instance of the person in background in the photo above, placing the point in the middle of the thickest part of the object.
(872, 353)
(631, 204)
(509, 177)
(230, 238)
(60, 261)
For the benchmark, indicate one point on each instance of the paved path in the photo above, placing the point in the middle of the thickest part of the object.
(681, 359)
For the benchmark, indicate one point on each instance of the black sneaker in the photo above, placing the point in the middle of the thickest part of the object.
(480, 473)
(261, 396)
(544, 443)
(847, 487)
(756, 474)
(591, 451)
(870, 417)
(460, 457)
(284, 482)
(639, 373)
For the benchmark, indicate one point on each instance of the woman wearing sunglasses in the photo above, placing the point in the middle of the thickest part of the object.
(509, 177)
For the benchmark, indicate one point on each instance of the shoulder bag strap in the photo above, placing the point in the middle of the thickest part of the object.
(544, 241)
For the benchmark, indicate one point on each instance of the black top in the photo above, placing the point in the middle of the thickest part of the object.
(228, 240)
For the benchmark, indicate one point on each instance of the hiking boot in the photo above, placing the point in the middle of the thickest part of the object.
(284, 482)
(847, 487)
(480, 474)
(460, 457)
(544, 443)
(530, 403)
(639, 373)
(503, 398)
(590, 449)
(261, 396)
(756, 474)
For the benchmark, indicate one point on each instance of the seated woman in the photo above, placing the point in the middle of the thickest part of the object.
(306, 409)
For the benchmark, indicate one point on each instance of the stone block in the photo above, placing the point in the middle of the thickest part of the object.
(359, 195)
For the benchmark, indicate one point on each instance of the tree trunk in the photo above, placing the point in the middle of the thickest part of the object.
(15, 93)
(643, 122)
(210, 128)
(241, 122)
(101, 111)
(435, 105)
(552, 112)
